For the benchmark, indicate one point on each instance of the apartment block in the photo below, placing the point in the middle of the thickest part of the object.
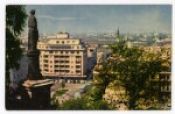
(62, 57)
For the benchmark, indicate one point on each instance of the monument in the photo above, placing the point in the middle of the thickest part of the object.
(38, 88)
(33, 53)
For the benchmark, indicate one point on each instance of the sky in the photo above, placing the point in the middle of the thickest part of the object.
(103, 18)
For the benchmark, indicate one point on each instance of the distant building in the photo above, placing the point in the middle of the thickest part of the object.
(62, 57)
(103, 53)
(165, 85)
(92, 50)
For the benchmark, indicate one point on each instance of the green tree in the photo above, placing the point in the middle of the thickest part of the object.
(84, 104)
(15, 22)
(134, 69)
(101, 81)
(74, 104)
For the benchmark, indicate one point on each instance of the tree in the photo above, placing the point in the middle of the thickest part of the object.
(15, 22)
(134, 68)
(101, 80)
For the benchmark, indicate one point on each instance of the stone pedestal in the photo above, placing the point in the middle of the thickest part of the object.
(39, 93)
(33, 65)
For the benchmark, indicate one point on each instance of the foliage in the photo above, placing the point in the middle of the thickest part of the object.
(84, 104)
(101, 81)
(15, 21)
(135, 68)
(87, 101)
(74, 104)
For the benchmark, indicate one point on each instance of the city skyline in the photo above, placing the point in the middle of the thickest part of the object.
(102, 18)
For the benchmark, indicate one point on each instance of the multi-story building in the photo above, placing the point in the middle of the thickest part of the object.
(165, 85)
(62, 57)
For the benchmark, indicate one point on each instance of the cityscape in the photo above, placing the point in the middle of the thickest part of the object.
(88, 57)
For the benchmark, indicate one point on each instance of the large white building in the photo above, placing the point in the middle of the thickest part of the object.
(62, 57)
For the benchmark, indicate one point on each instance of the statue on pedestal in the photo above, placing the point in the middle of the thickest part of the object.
(38, 89)
(33, 53)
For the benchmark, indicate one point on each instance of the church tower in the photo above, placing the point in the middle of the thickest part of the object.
(118, 32)
(117, 35)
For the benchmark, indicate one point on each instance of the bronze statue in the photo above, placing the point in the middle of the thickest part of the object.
(33, 31)
(33, 53)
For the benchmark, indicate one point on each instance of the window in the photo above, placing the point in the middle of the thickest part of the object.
(78, 56)
(78, 66)
(78, 71)
(57, 42)
(46, 70)
(62, 42)
(46, 56)
(46, 61)
(91, 50)
(56, 61)
(66, 61)
(56, 56)
(66, 71)
(45, 65)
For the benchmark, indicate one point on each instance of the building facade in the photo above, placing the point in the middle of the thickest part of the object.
(62, 57)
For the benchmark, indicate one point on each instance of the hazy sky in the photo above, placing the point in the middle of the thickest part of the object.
(103, 18)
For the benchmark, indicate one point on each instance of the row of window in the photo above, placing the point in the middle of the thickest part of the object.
(60, 56)
(62, 61)
(61, 66)
(61, 52)
(63, 42)
(64, 52)
(63, 71)
(60, 47)
(57, 61)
